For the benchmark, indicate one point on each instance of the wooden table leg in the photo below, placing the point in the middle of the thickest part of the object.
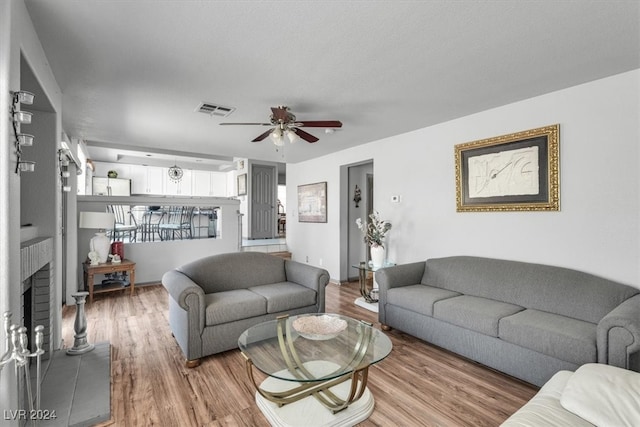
(132, 279)
(90, 283)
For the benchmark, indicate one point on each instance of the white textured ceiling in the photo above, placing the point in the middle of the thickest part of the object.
(133, 72)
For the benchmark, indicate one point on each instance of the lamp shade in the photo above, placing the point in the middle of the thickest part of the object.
(97, 220)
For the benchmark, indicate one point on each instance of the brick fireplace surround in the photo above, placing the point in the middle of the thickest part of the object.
(77, 389)
(37, 278)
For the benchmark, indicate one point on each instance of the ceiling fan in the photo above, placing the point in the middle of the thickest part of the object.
(285, 124)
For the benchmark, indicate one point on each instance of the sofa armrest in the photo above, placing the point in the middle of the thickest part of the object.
(187, 294)
(394, 277)
(307, 275)
(618, 335)
(400, 275)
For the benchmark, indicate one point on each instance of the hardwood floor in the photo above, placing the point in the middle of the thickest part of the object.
(417, 385)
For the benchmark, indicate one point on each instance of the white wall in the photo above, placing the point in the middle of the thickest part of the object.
(597, 229)
(18, 36)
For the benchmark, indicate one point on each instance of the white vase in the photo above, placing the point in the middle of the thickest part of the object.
(377, 255)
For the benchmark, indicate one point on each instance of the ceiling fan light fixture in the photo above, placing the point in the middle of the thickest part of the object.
(276, 135)
(292, 135)
(285, 123)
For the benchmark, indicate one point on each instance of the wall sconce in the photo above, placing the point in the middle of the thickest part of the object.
(64, 175)
(25, 139)
(26, 166)
(22, 139)
(24, 97)
(22, 117)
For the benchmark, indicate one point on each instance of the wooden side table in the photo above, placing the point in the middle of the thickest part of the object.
(91, 270)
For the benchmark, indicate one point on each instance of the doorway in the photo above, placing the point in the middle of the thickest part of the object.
(263, 202)
(357, 198)
(282, 211)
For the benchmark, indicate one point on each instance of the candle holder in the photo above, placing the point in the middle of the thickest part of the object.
(80, 344)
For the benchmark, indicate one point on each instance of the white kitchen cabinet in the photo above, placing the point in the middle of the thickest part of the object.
(111, 186)
(201, 183)
(219, 184)
(179, 188)
(147, 180)
(102, 169)
(209, 184)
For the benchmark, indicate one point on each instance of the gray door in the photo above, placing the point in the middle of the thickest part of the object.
(263, 202)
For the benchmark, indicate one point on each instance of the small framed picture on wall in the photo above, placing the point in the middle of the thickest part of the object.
(242, 184)
(312, 202)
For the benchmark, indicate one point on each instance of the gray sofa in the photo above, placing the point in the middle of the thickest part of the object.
(214, 299)
(527, 320)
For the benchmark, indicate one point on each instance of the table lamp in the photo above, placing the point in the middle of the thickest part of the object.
(100, 243)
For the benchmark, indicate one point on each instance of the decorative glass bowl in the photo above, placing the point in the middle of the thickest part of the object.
(319, 328)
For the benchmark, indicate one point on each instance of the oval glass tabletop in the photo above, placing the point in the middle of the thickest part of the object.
(313, 347)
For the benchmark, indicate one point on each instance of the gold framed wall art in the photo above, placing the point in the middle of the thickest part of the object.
(514, 172)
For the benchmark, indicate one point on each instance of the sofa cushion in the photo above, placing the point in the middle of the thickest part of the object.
(285, 296)
(418, 298)
(229, 306)
(544, 409)
(603, 395)
(478, 314)
(558, 336)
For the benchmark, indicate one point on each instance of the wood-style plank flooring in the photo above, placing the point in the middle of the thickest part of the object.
(417, 385)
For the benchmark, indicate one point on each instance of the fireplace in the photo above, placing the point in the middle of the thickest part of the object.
(36, 258)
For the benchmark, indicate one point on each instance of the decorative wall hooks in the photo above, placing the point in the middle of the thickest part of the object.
(357, 197)
(19, 117)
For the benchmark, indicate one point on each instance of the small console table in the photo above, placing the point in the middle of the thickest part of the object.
(109, 267)
(369, 298)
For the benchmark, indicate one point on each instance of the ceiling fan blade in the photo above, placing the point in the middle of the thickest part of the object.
(319, 124)
(250, 124)
(306, 136)
(262, 136)
(280, 113)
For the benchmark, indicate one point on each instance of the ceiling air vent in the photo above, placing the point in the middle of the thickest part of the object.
(214, 110)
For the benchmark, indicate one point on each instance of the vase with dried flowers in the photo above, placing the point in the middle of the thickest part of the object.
(374, 232)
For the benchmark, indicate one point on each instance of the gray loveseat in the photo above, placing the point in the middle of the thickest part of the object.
(214, 299)
(527, 320)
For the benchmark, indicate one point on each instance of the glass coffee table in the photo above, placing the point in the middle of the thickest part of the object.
(317, 367)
